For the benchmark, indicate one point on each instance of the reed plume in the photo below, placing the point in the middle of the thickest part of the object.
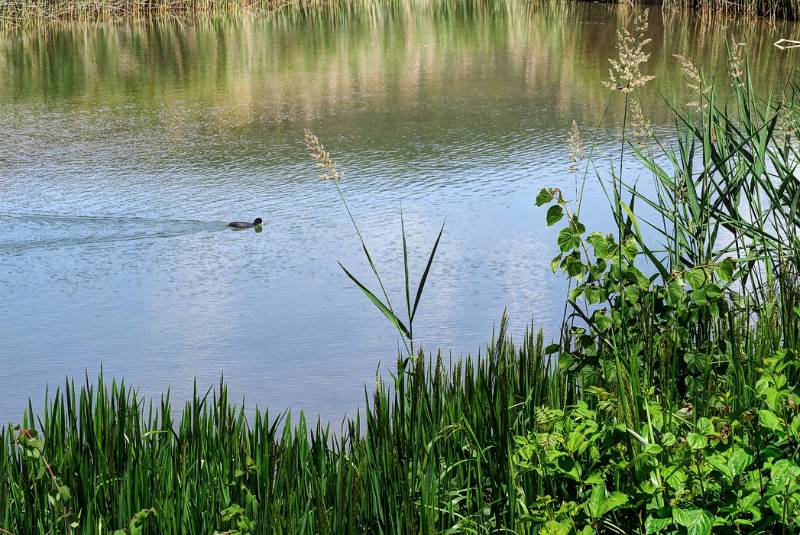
(322, 157)
(625, 74)
(575, 146)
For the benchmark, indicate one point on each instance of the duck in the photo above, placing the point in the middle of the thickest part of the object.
(243, 224)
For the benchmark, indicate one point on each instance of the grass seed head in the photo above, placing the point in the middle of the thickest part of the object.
(322, 157)
(625, 74)
(575, 146)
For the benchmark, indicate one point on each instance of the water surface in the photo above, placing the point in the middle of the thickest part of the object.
(127, 148)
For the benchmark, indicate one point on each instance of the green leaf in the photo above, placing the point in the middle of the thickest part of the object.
(554, 214)
(600, 244)
(615, 500)
(705, 427)
(769, 420)
(725, 270)
(696, 521)
(394, 320)
(668, 439)
(595, 505)
(64, 494)
(551, 527)
(696, 278)
(656, 525)
(424, 278)
(653, 449)
(784, 473)
(739, 462)
(544, 196)
(568, 240)
(718, 462)
(696, 441)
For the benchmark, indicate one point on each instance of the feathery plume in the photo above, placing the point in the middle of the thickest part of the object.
(643, 130)
(625, 73)
(694, 82)
(575, 146)
(323, 157)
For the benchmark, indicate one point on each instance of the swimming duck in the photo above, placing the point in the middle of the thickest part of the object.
(243, 224)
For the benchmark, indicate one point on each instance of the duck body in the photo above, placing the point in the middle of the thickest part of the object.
(244, 224)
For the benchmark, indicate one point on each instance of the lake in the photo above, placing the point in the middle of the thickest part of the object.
(128, 147)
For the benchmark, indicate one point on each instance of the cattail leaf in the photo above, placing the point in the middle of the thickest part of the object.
(393, 319)
(424, 277)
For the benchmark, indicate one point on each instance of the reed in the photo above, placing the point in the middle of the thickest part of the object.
(28, 13)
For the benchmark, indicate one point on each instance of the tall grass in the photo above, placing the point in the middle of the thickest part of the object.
(432, 450)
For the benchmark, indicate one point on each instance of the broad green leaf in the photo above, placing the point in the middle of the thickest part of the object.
(596, 504)
(696, 441)
(725, 270)
(696, 278)
(739, 462)
(696, 521)
(551, 527)
(64, 494)
(784, 473)
(718, 462)
(568, 240)
(653, 449)
(656, 525)
(554, 214)
(668, 439)
(769, 420)
(704, 426)
(615, 500)
(544, 196)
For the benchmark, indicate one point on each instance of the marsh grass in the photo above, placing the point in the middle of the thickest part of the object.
(431, 450)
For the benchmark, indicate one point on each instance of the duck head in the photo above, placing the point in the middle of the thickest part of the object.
(257, 222)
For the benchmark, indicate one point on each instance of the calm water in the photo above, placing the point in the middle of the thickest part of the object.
(127, 148)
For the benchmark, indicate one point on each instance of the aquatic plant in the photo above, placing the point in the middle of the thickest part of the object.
(406, 330)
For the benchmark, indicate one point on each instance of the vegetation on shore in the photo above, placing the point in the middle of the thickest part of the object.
(37, 12)
(669, 403)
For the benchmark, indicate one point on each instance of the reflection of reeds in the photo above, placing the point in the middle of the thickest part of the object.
(289, 65)
(35, 12)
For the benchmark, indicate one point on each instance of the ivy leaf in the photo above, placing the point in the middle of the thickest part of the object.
(554, 215)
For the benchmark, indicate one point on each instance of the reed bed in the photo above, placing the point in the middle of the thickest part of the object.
(32, 13)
